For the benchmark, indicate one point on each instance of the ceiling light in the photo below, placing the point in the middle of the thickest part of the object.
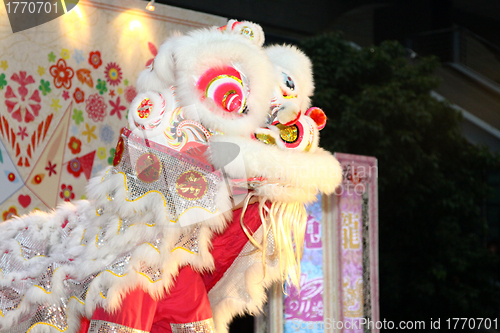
(151, 6)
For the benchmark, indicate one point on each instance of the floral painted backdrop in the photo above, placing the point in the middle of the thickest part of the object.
(65, 88)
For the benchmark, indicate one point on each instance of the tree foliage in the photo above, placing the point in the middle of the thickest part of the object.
(433, 258)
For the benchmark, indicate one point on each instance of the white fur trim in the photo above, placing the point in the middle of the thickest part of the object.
(308, 172)
(149, 81)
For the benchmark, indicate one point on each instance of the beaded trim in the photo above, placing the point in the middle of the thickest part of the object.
(204, 326)
(101, 326)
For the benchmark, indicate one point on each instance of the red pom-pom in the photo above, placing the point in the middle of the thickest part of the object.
(318, 116)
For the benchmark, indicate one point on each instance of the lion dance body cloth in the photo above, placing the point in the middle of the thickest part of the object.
(202, 209)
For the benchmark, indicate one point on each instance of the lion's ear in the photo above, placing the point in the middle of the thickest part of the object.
(149, 81)
(251, 30)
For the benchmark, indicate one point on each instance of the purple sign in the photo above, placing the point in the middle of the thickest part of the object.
(357, 224)
(306, 307)
(352, 258)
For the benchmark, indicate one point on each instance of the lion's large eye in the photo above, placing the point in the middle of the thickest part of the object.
(288, 81)
(225, 87)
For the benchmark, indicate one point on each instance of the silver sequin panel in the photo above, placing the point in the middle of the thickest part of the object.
(190, 241)
(52, 314)
(30, 247)
(47, 314)
(153, 274)
(45, 280)
(9, 263)
(172, 168)
(204, 326)
(11, 297)
(101, 326)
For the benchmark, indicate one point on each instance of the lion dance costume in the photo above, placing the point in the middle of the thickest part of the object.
(203, 207)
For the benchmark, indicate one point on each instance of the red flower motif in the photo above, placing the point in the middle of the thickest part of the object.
(67, 192)
(78, 95)
(62, 74)
(19, 104)
(113, 74)
(65, 95)
(75, 145)
(23, 80)
(22, 132)
(112, 93)
(51, 168)
(95, 59)
(130, 94)
(75, 167)
(96, 108)
(10, 213)
(117, 108)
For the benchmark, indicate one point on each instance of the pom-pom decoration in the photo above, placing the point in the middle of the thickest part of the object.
(147, 111)
(225, 87)
(318, 116)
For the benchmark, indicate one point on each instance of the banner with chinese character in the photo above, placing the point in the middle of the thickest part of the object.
(304, 308)
(354, 209)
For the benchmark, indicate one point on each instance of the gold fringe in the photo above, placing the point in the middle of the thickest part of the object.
(287, 222)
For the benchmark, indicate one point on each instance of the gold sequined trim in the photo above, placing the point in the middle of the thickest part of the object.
(288, 133)
(266, 138)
